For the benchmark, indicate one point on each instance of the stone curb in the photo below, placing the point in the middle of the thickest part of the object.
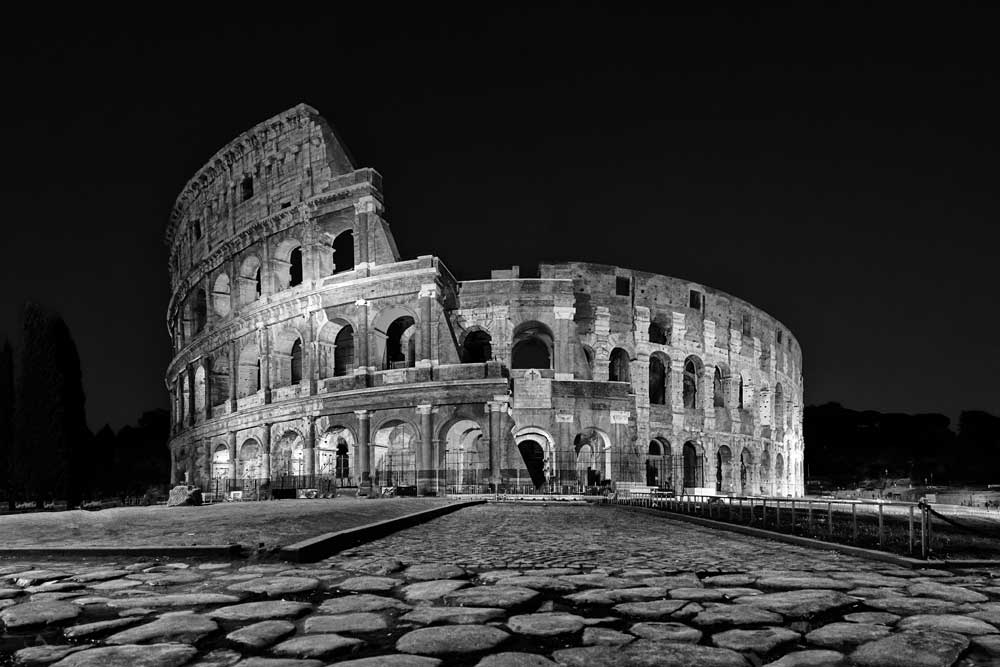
(205, 551)
(871, 554)
(321, 546)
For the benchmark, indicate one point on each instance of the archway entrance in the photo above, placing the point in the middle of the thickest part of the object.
(724, 470)
(694, 466)
(534, 460)
(746, 472)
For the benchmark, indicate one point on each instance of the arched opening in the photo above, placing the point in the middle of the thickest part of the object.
(765, 473)
(533, 455)
(343, 352)
(343, 252)
(398, 354)
(199, 390)
(724, 470)
(220, 462)
(586, 465)
(532, 346)
(692, 374)
(593, 449)
(288, 456)
(248, 282)
(657, 463)
(618, 370)
(394, 460)
(248, 381)
(249, 460)
(343, 461)
(218, 372)
(256, 280)
(588, 356)
(466, 465)
(657, 334)
(719, 388)
(477, 348)
(297, 361)
(741, 393)
(221, 295)
(779, 475)
(746, 472)
(295, 267)
(659, 373)
(779, 407)
(694, 466)
(200, 311)
(335, 452)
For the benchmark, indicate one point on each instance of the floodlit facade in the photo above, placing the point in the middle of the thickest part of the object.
(308, 352)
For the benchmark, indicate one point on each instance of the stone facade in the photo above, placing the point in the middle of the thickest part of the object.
(306, 348)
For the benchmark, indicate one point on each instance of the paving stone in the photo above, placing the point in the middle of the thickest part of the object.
(800, 603)
(262, 634)
(964, 625)
(596, 580)
(595, 636)
(846, 635)
(988, 643)
(911, 649)
(650, 610)
(871, 579)
(689, 580)
(727, 580)
(38, 613)
(220, 657)
(43, 655)
(8, 603)
(429, 571)
(245, 576)
(432, 590)
(451, 640)
(646, 652)
(54, 587)
(666, 632)
(279, 662)
(85, 630)
(498, 595)
(946, 592)
(698, 594)
(6, 593)
(801, 582)
(42, 597)
(145, 655)
(115, 584)
(540, 583)
(392, 660)
(515, 660)
(909, 606)
(260, 611)
(458, 615)
(173, 578)
(172, 600)
(214, 566)
(316, 646)
(545, 624)
(323, 574)
(733, 593)
(607, 596)
(381, 566)
(183, 628)
(276, 586)
(369, 584)
(33, 577)
(821, 658)
(760, 640)
(868, 592)
(878, 617)
(362, 602)
(637, 572)
(363, 621)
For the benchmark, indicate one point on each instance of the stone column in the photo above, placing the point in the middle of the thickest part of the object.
(233, 463)
(363, 208)
(206, 365)
(427, 468)
(566, 459)
(266, 284)
(310, 449)
(563, 363)
(426, 304)
(173, 467)
(361, 338)
(364, 449)
(234, 375)
(496, 409)
(265, 361)
(265, 463)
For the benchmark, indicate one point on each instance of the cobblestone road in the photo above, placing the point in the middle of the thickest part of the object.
(506, 585)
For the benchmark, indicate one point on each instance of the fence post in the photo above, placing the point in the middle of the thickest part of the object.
(829, 519)
(809, 514)
(854, 523)
(777, 515)
(923, 533)
(880, 524)
(730, 509)
(911, 529)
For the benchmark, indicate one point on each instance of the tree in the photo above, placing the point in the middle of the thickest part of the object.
(6, 421)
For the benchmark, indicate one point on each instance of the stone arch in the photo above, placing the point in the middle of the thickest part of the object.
(221, 292)
(249, 379)
(286, 357)
(249, 459)
(391, 323)
(586, 371)
(693, 457)
(720, 386)
(336, 348)
(336, 454)
(250, 279)
(658, 457)
(287, 262)
(765, 473)
(779, 474)
(477, 346)
(394, 453)
(746, 479)
(724, 469)
(659, 379)
(618, 366)
(288, 454)
(199, 390)
(532, 346)
(537, 450)
(343, 252)
(219, 376)
(693, 371)
(593, 456)
(221, 461)
(659, 330)
(465, 460)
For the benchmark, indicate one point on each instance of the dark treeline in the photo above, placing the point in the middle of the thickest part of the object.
(846, 446)
(47, 453)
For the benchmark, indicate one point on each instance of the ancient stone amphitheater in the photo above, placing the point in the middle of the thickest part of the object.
(309, 354)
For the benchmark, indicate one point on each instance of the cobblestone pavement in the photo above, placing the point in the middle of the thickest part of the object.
(499, 585)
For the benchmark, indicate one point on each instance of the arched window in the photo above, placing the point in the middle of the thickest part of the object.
(200, 310)
(295, 267)
(477, 348)
(297, 361)
(256, 278)
(343, 252)
(220, 295)
(741, 393)
(659, 377)
(343, 353)
(395, 347)
(694, 465)
(719, 389)
(654, 448)
(532, 346)
(618, 366)
(657, 334)
(692, 374)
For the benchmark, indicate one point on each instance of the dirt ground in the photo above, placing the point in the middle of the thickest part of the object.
(262, 524)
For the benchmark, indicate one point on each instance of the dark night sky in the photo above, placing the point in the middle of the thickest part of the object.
(835, 169)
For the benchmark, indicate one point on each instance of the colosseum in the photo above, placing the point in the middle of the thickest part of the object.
(308, 353)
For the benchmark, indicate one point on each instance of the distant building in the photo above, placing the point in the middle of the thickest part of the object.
(305, 348)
